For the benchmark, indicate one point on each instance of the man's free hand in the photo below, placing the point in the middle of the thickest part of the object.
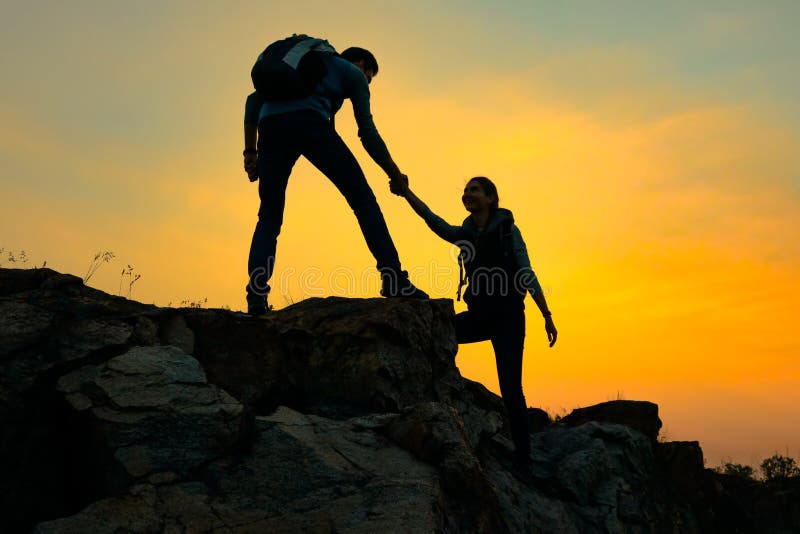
(550, 328)
(251, 166)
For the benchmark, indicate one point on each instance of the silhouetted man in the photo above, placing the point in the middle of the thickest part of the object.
(287, 129)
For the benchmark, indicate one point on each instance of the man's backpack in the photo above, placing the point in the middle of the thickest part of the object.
(291, 68)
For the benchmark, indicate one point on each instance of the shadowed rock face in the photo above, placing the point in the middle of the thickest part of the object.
(333, 415)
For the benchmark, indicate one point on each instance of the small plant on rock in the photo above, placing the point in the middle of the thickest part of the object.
(199, 303)
(130, 278)
(99, 259)
(20, 257)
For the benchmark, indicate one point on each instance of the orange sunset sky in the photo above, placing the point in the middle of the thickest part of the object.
(649, 152)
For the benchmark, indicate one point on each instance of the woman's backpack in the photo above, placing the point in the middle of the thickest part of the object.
(489, 266)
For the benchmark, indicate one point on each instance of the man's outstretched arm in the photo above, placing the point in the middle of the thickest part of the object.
(370, 138)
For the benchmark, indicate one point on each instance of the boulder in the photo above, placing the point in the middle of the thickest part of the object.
(331, 356)
(639, 415)
(151, 409)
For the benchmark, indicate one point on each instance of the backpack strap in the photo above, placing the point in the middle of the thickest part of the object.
(462, 277)
(506, 241)
(296, 53)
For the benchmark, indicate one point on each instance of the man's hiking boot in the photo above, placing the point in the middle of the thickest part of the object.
(257, 306)
(256, 310)
(397, 284)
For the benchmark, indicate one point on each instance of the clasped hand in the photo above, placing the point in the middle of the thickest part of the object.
(399, 184)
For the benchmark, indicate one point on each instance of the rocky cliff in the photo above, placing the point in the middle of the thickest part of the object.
(333, 415)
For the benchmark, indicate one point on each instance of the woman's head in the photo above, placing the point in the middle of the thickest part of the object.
(480, 193)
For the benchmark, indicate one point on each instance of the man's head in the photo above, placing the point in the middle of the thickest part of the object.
(363, 59)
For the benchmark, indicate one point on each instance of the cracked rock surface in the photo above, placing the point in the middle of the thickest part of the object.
(333, 415)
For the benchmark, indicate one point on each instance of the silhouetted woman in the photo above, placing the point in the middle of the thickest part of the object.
(499, 274)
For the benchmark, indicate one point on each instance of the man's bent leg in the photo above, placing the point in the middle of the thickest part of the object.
(275, 162)
(328, 153)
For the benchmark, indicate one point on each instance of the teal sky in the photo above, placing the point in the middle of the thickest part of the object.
(76, 63)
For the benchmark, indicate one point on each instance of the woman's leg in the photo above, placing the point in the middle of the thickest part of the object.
(508, 339)
(507, 333)
(472, 327)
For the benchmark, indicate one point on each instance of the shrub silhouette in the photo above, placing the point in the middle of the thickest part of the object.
(779, 467)
(739, 470)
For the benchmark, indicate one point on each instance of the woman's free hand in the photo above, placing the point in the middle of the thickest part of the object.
(550, 328)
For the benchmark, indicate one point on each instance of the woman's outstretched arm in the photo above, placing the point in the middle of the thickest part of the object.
(439, 226)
